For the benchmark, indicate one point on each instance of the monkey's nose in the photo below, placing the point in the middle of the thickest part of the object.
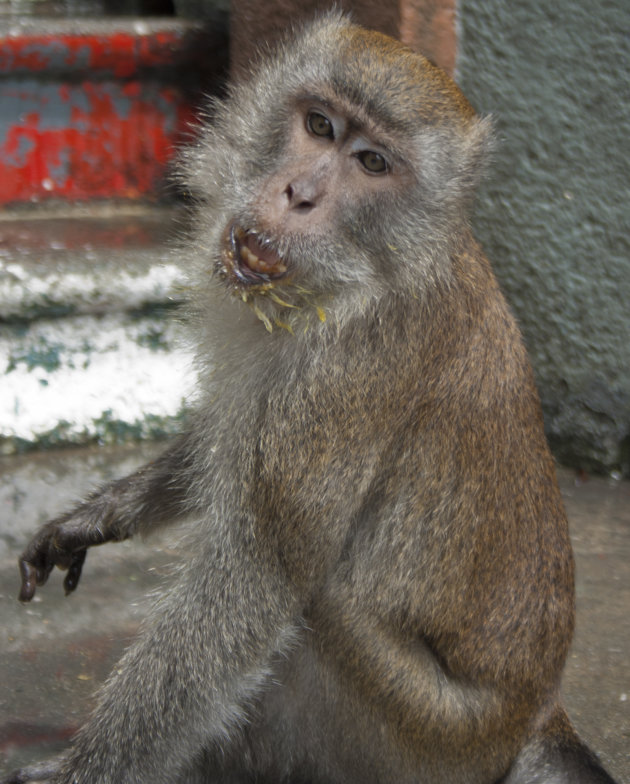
(301, 196)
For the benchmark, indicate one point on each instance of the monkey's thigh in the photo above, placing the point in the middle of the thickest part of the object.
(308, 725)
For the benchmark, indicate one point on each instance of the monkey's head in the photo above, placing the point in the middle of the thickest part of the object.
(346, 163)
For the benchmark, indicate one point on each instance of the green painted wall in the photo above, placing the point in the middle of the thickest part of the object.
(554, 213)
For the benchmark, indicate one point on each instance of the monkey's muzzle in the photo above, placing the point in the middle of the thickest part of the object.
(249, 259)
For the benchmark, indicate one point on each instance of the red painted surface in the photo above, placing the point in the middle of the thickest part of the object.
(100, 153)
(121, 53)
(102, 124)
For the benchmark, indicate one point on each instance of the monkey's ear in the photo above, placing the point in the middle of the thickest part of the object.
(465, 161)
(453, 162)
(478, 148)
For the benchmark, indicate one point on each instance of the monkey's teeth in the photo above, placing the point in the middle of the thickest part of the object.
(261, 266)
(253, 262)
(249, 259)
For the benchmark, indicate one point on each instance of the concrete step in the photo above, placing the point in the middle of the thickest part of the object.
(93, 109)
(91, 258)
(90, 349)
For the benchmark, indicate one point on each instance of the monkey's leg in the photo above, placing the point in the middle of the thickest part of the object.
(153, 495)
(204, 654)
(556, 754)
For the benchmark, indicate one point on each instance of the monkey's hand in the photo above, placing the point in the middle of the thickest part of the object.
(62, 542)
(152, 496)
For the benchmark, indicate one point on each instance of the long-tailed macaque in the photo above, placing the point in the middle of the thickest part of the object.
(381, 585)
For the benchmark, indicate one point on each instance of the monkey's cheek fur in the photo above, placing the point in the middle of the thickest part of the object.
(248, 259)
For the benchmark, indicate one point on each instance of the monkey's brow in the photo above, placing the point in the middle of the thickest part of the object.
(381, 127)
(371, 105)
(322, 100)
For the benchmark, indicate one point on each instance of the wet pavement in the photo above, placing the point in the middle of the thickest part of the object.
(56, 650)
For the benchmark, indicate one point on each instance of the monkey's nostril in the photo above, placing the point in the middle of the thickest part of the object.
(298, 199)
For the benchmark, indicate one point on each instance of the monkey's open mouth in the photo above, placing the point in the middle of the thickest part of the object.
(250, 259)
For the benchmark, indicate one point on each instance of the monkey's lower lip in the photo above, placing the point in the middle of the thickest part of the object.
(251, 259)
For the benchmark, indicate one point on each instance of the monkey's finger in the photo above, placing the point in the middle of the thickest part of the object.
(74, 571)
(32, 575)
(28, 574)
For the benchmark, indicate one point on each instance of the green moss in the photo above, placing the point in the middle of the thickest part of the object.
(39, 355)
(153, 338)
(107, 430)
(116, 431)
(47, 309)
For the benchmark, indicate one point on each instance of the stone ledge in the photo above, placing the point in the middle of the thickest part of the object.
(88, 352)
(92, 379)
(92, 260)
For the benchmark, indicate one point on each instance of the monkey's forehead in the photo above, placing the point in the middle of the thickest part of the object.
(395, 84)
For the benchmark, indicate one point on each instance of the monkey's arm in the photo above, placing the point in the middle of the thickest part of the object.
(204, 654)
(153, 495)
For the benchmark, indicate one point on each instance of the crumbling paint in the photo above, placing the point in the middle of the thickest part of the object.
(117, 147)
(102, 124)
(104, 259)
(119, 54)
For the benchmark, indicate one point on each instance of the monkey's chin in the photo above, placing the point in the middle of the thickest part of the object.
(248, 259)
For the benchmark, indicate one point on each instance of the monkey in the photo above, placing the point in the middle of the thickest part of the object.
(380, 586)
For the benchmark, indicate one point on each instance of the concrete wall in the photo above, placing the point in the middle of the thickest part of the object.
(554, 215)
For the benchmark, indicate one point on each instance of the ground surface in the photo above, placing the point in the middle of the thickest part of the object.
(55, 651)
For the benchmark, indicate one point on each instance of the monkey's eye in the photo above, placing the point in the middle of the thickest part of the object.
(373, 162)
(319, 125)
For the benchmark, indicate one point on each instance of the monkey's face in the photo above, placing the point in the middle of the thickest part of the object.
(341, 171)
(336, 167)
